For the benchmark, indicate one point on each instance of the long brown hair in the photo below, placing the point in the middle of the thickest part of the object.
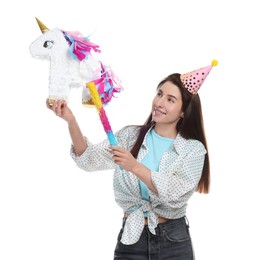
(191, 126)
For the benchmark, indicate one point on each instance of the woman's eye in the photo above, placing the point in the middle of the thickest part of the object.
(48, 44)
(171, 100)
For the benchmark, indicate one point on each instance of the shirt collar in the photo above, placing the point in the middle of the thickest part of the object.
(178, 144)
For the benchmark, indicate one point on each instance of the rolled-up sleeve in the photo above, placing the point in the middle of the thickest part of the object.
(175, 186)
(97, 157)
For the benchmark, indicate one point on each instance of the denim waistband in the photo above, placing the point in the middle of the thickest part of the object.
(166, 225)
(171, 223)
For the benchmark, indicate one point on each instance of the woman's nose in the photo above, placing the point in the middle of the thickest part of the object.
(159, 102)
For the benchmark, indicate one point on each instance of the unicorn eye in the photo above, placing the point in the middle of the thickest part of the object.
(48, 44)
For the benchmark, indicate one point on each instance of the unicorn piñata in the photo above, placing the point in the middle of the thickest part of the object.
(73, 66)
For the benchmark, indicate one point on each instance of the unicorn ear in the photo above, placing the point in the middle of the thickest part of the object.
(42, 26)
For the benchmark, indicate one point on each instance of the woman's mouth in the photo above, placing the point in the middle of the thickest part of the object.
(158, 112)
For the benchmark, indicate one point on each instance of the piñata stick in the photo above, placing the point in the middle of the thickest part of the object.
(102, 113)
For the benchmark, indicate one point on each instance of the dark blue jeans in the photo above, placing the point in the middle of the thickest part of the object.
(171, 242)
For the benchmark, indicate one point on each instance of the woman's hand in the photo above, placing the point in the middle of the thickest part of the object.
(126, 160)
(61, 109)
(123, 158)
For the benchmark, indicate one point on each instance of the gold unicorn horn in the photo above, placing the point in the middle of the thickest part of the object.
(43, 27)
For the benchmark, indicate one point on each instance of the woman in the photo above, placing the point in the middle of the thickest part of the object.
(158, 166)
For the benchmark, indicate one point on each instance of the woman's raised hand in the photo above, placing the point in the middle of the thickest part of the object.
(61, 109)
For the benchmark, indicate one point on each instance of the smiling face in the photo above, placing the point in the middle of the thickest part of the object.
(167, 106)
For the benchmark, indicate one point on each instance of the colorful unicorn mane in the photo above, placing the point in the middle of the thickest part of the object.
(80, 46)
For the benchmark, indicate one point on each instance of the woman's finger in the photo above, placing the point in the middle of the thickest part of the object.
(116, 147)
(58, 107)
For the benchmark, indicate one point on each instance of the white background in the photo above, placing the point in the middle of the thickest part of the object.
(49, 208)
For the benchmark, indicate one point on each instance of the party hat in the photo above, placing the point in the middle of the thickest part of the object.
(43, 27)
(193, 80)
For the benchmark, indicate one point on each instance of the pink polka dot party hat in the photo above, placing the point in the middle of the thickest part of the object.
(193, 80)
